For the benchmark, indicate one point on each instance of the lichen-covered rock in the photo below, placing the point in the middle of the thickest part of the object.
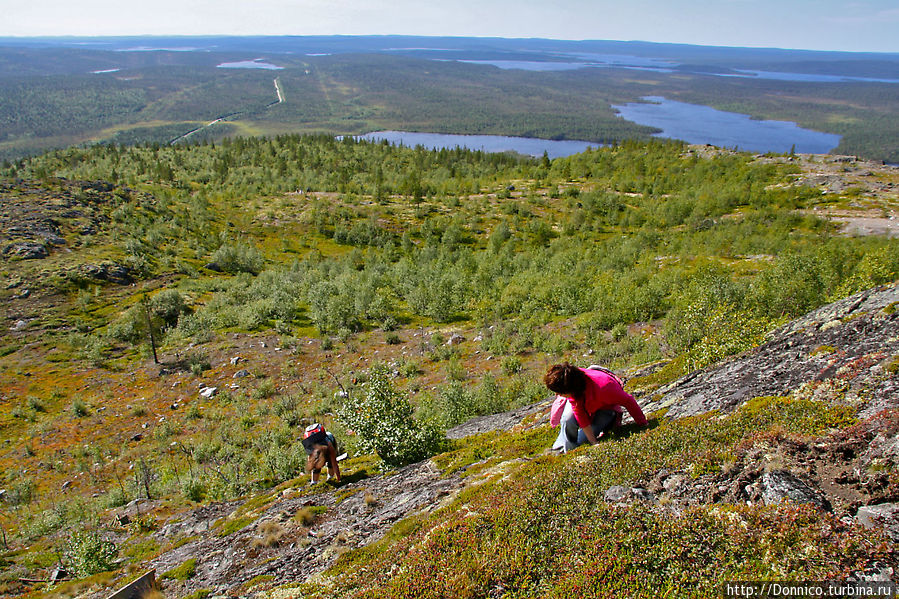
(841, 351)
(779, 485)
(503, 421)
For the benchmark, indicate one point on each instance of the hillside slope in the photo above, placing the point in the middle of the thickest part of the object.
(845, 475)
(280, 275)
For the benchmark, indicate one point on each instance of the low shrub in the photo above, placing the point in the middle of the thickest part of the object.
(548, 531)
(87, 553)
(384, 423)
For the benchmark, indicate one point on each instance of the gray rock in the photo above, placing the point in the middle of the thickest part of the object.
(108, 271)
(51, 238)
(19, 325)
(241, 374)
(617, 494)
(235, 360)
(503, 421)
(884, 516)
(455, 339)
(622, 494)
(676, 484)
(208, 392)
(642, 494)
(26, 250)
(780, 485)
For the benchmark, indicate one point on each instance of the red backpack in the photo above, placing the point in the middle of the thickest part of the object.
(314, 435)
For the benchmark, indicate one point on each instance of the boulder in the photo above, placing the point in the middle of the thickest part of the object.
(455, 339)
(780, 485)
(622, 494)
(208, 392)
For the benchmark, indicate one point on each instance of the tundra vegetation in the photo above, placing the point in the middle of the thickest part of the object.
(391, 293)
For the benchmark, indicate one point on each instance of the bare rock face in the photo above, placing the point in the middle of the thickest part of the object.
(503, 421)
(843, 349)
(884, 516)
(277, 541)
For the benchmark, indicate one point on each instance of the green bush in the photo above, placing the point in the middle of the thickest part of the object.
(456, 404)
(79, 408)
(21, 492)
(792, 287)
(194, 490)
(727, 333)
(166, 309)
(87, 553)
(875, 268)
(239, 257)
(384, 423)
(197, 361)
(511, 365)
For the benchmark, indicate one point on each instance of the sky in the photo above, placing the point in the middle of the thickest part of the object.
(860, 25)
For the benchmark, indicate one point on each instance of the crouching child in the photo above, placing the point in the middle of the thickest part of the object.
(321, 450)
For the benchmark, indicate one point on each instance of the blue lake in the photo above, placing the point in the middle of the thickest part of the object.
(487, 143)
(697, 124)
(531, 65)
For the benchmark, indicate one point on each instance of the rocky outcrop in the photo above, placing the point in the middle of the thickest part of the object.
(26, 250)
(779, 485)
(844, 350)
(299, 533)
(35, 218)
(883, 516)
(107, 271)
(495, 422)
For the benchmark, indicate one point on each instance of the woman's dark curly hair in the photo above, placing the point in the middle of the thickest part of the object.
(565, 379)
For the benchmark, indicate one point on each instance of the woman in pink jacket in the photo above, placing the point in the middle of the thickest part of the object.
(589, 403)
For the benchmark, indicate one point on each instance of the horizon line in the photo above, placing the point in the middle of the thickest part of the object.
(409, 35)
